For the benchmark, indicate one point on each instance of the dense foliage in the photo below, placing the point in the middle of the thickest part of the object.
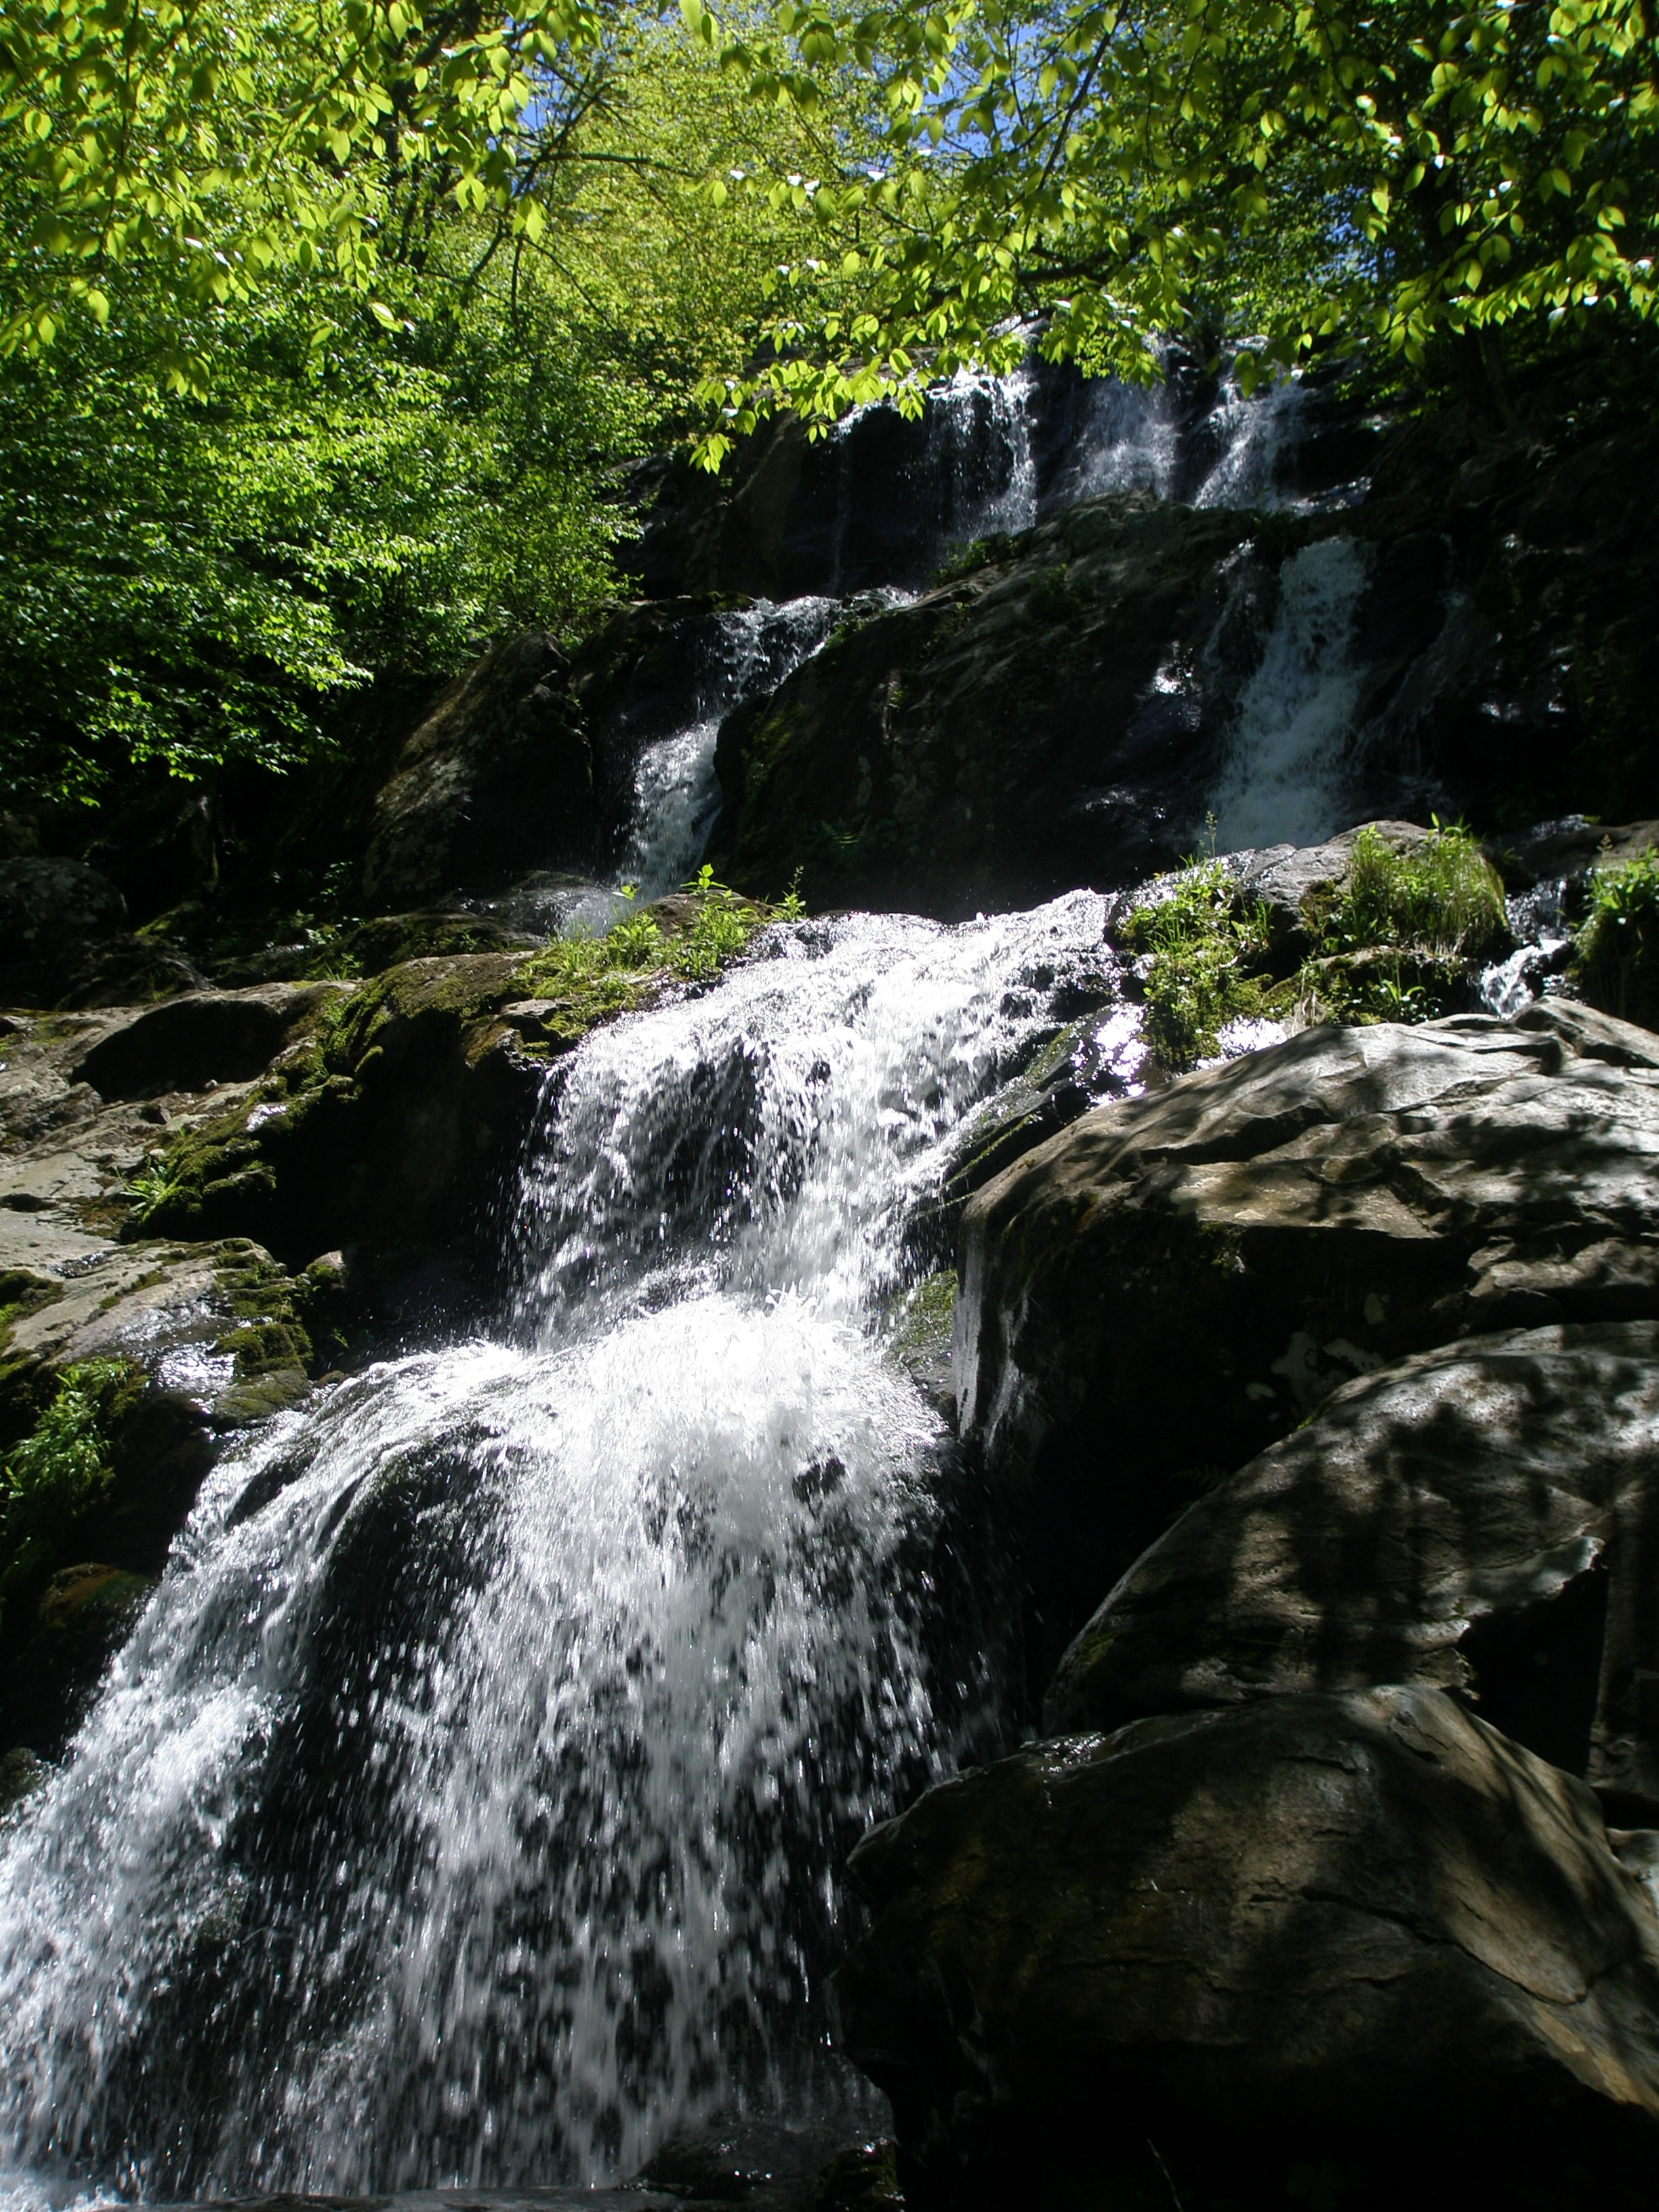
(285, 413)
(323, 330)
(1400, 937)
(1286, 179)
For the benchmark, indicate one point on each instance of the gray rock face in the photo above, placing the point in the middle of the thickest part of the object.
(44, 902)
(1171, 1285)
(200, 1039)
(1367, 1921)
(499, 776)
(1481, 1516)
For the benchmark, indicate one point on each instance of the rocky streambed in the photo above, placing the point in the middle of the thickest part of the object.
(586, 1455)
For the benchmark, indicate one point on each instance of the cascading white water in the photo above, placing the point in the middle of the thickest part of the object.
(1130, 442)
(676, 792)
(470, 1802)
(979, 435)
(1251, 435)
(1286, 777)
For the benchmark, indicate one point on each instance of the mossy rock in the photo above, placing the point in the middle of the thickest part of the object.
(865, 2178)
(390, 1120)
(21, 1774)
(84, 1615)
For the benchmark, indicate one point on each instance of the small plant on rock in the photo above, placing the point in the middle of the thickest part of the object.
(54, 1475)
(152, 1190)
(722, 925)
(1199, 944)
(1616, 951)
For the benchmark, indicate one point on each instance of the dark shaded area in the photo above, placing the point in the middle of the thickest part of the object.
(1536, 1672)
(187, 1045)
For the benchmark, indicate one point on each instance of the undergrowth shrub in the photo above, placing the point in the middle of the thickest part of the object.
(1200, 944)
(722, 925)
(55, 1473)
(1616, 950)
(1393, 942)
(606, 971)
(1444, 898)
(1420, 919)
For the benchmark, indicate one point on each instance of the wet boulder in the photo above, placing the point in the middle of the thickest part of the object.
(200, 1039)
(498, 778)
(84, 1616)
(1367, 1928)
(1480, 1516)
(167, 1349)
(1173, 1283)
(387, 1124)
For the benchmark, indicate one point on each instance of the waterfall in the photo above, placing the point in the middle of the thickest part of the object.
(676, 794)
(1248, 439)
(979, 440)
(1130, 442)
(470, 1803)
(1285, 780)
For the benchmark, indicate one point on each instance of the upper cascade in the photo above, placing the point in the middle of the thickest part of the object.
(882, 500)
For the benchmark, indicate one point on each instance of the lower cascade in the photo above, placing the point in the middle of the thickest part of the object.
(852, 1399)
(470, 1802)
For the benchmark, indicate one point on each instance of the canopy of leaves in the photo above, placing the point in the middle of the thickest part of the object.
(285, 409)
(1293, 177)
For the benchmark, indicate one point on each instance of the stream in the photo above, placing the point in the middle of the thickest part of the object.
(468, 1809)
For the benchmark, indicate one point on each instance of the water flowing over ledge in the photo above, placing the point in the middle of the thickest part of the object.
(470, 1802)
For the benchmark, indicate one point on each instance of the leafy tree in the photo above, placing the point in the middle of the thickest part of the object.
(227, 503)
(222, 148)
(1311, 174)
(186, 582)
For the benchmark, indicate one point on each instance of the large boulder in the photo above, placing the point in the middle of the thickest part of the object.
(1481, 1516)
(1366, 1928)
(46, 901)
(1155, 1294)
(499, 777)
(387, 1122)
(1007, 736)
(57, 916)
(169, 1347)
(1537, 692)
(201, 1039)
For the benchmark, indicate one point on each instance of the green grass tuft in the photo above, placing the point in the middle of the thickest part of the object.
(1616, 951)
(1444, 900)
(1200, 946)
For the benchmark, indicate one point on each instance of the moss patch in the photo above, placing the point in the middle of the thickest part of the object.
(387, 1115)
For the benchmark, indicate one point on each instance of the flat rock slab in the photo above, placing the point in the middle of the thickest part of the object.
(1482, 1516)
(1155, 1294)
(1366, 1925)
